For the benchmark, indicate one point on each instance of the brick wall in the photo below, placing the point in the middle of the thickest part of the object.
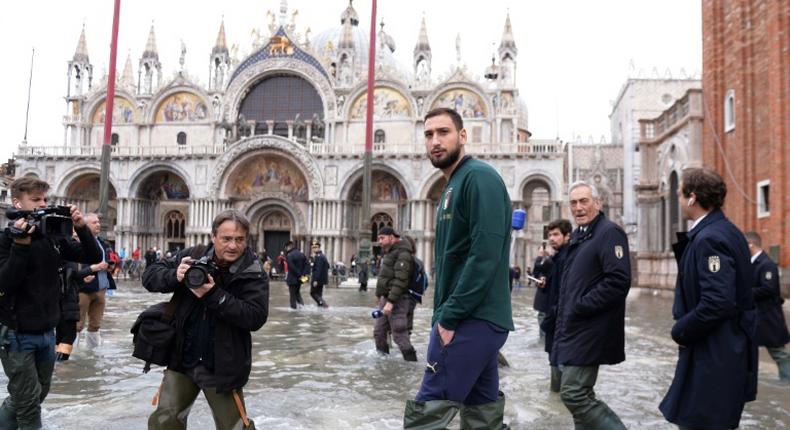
(746, 48)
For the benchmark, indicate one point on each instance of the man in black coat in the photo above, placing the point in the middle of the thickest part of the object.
(320, 276)
(771, 326)
(713, 310)
(213, 347)
(298, 273)
(590, 327)
(541, 269)
(30, 302)
(559, 237)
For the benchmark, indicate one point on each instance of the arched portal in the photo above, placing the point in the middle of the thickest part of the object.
(83, 192)
(160, 207)
(536, 196)
(272, 224)
(387, 196)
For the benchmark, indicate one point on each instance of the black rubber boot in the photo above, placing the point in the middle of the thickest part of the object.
(409, 355)
(384, 349)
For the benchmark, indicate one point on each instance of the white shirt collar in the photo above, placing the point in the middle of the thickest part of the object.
(754, 257)
(697, 221)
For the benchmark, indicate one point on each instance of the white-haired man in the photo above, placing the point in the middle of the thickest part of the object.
(590, 327)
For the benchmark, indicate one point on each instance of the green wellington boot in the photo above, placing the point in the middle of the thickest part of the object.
(488, 416)
(430, 415)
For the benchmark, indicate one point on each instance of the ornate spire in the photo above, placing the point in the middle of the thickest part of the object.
(127, 77)
(350, 14)
(422, 40)
(508, 42)
(220, 46)
(347, 37)
(81, 53)
(150, 46)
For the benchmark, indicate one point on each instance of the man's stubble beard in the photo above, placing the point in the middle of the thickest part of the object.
(448, 161)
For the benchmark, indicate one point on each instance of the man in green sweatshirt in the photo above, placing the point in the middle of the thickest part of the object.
(472, 314)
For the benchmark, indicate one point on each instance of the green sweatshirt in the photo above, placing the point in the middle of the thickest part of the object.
(473, 248)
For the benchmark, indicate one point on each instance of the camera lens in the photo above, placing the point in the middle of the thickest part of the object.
(195, 277)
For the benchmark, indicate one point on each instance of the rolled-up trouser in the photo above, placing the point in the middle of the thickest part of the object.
(464, 371)
(178, 393)
(92, 310)
(317, 293)
(28, 363)
(397, 323)
(576, 392)
(295, 295)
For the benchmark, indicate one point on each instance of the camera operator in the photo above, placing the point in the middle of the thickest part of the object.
(212, 349)
(29, 302)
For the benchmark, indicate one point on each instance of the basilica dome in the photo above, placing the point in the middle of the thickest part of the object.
(327, 44)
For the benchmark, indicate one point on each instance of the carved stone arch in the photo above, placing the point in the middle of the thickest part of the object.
(427, 185)
(73, 173)
(253, 210)
(31, 171)
(669, 161)
(91, 108)
(549, 179)
(355, 174)
(141, 174)
(283, 147)
(396, 86)
(471, 87)
(163, 93)
(247, 79)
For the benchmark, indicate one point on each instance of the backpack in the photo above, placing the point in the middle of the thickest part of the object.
(419, 281)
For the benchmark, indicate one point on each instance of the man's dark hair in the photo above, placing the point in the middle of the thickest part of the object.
(706, 184)
(28, 184)
(754, 238)
(457, 120)
(289, 245)
(563, 224)
(230, 215)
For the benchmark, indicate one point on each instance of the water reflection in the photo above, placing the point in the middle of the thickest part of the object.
(317, 369)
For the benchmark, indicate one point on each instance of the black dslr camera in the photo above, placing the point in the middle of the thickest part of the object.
(198, 272)
(52, 221)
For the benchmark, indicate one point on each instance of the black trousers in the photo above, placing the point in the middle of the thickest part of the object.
(295, 295)
(317, 293)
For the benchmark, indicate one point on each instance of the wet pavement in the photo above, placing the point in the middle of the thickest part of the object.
(317, 369)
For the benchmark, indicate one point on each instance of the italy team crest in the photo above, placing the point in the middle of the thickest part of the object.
(714, 263)
(768, 276)
(447, 196)
(618, 252)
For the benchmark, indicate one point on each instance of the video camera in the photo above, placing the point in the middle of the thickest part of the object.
(52, 221)
(199, 271)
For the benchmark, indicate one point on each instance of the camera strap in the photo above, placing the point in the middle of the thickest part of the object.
(196, 253)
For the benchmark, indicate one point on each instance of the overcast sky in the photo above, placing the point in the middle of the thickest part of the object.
(574, 55)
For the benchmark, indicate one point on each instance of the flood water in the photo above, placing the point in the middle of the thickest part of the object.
(317, 369)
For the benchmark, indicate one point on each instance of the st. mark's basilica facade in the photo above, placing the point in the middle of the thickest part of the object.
(279, 135)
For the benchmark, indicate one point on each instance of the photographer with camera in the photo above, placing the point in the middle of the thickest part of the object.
(31, 251)
(221, 294)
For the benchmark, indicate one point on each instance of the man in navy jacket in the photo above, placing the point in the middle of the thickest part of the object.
(298, 272)
(714, 314)
(320, 276)
(590, 327)
(771, 326)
